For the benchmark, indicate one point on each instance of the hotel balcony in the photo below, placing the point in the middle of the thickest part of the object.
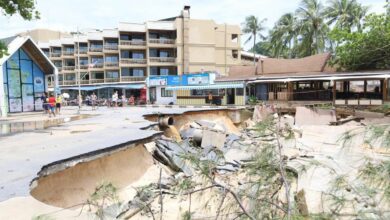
(163, 61)
(68, 54)
(69, 82)
(132, 44)
(95, 50)
(162, 42)
(82, 67)
(97, 66)
(83, 52)
(111, 65)
(133, 78)
(133, 62)
(55, 55)
(93, 81)
(111, 80)
(110, 48)
(67, 69)
(84, 82)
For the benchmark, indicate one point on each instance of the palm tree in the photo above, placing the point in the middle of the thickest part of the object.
(253, 26)
(283, 36)
(312, 27)
(345, 14)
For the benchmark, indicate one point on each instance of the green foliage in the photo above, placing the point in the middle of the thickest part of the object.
(366, 50)
(25, 8)
(186, 216)
(252, 100)
(254, 27)
(3, 49)
(104, 195)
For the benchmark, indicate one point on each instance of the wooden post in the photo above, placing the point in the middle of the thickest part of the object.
(385, 89)
(290, 91)
(334, 92)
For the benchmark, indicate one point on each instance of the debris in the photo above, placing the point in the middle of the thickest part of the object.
(314, 116)
(213, 138)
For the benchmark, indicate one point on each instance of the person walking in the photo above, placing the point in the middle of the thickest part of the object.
(93, 100)
(58, 103)
(51, 105)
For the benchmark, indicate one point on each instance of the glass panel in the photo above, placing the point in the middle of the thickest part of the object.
(153, 71)
(138, 55)
(112, 74)
(125, 72)
(164, 71)
(13, 61)
(356, 86)
(28, 97)
(15, 105)
(23, 55)
(26, 69)
(112, 59)
(125, 54)
(138, 72)
(153, 53)
(373, 86)
(14, 83)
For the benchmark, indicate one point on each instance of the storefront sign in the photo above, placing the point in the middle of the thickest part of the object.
(183, 80)
(164, 80)
(196, 79)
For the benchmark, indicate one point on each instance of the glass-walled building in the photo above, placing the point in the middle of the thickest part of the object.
(26, 75)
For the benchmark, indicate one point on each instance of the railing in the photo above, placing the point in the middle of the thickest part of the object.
(111, 64)
(132, 43)
(109, 80)
(133, 61)
(82, 51)
(110, 47)
(67, 53)
(59, 68)
(84, 81)
(133, 78)
(96, 66)
(68, 68)
(69, 82)
(162, 41)
(96, 49)
(97, 81)
(163, 59)
(52, 54)
(82, 67)
(60, 82)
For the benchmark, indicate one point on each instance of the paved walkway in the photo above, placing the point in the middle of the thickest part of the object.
(23, 155)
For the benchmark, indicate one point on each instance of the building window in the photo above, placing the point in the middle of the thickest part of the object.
(235, 54)
(374, 86)
(166, 93)
(234, 38)
(164, 54)
(205, 92)
(111, 59)
(84, 61)
(96, 59)
(154, 71)
(153, 53)
(125, 71)
(138, 72)
(164, 71)
(239, 91)
(137, 55)
(112, 74)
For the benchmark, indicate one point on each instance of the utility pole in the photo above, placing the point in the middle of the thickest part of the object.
(78, 68)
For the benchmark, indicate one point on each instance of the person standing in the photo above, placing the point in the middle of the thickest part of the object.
(115, 99)
(210, 98)
(93, 100)
(44, 102)
(58, 103)
(51, 105)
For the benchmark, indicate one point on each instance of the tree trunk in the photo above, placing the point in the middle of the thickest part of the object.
(254, 51)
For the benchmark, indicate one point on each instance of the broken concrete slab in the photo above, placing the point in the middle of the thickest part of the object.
(314, 116)
(213, 138)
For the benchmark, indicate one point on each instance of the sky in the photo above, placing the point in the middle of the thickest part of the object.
(68, 15)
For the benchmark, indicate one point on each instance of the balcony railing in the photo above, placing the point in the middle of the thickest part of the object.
(69, 82)
(82, 67)
(97, 81)
(163, 59)
(133, 78)
(133, 61)
(82, 51)
(110, 80)
(162, 41)
(132, 43)
(84, 81)
(59, 68)
(53, 54)
(96, 66)
(67, 68)
(110, 47)
(96, 49)
(111, 64)
(67, 53)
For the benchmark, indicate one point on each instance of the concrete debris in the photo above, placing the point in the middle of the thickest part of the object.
(314, 116)
(261, 112)
(213, 138)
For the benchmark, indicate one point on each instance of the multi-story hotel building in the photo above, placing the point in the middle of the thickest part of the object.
(127, 55)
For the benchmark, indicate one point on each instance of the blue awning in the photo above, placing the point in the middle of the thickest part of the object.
(214, 86)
